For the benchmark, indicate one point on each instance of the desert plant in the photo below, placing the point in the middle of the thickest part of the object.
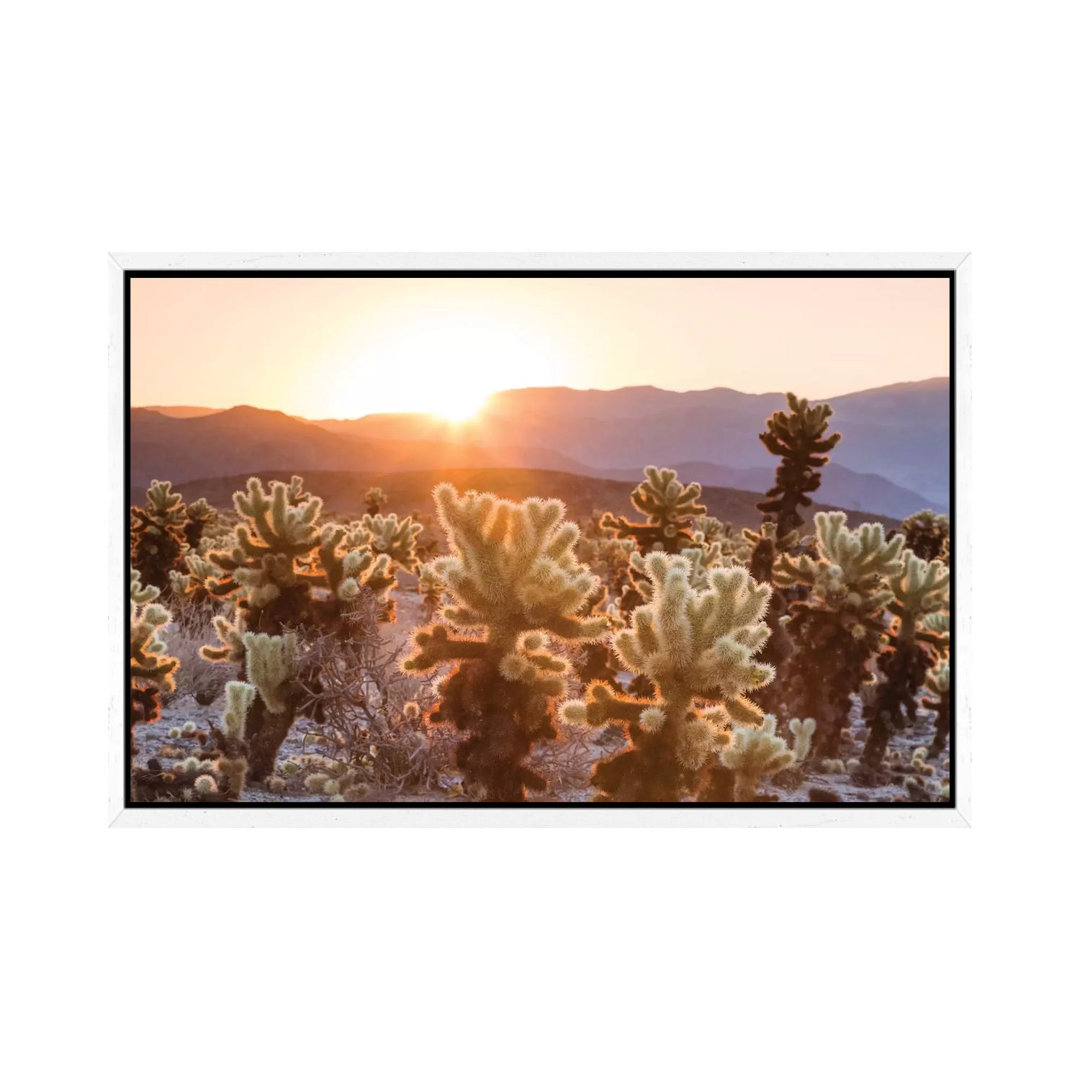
(152, 670)
(927, 535)
(694, 646)
(158, 540)
(754, 753)
(285, 574)
(836, 627)
(798, 438)
(670, 507)
(939, 683)
(511, 580)
(374, 500)
(398, 540)
(200, 515)
(918, 588)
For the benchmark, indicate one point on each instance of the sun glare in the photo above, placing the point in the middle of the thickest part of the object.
(450, 366)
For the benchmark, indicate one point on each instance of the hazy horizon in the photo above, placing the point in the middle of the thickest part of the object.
(350, 347)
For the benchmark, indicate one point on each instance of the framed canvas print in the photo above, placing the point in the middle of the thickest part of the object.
(547, 539)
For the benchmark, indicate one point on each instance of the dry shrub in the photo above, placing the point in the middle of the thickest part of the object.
(356, 689)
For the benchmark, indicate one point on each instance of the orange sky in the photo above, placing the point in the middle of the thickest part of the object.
(343, 347)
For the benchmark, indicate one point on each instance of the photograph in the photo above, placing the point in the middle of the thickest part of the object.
(539, 537)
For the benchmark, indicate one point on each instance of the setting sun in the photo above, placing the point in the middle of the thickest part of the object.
(449, 366)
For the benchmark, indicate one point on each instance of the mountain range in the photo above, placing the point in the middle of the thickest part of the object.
(893, 458)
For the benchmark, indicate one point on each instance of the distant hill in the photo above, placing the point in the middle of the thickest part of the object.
(893, 459)
(410, 492)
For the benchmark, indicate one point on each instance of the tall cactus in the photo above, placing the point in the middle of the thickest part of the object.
(512, 580)
(919, 589)
(798, 438)
(837, 628)
(158, 537)
(152, 670)
(694, 646)
(670, 507)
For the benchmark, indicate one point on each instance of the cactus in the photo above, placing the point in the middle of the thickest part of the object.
(374, 500)
(200, 515)
(754, 753)
(671, 508)
(511, 581)
(693, 646)
(798, 438)
(152, 670)
(803, 731)
(765, 547)
(284, 573)
(837, 628)
(927, 535)
(158, 541)
(396, 539)
(919, 588)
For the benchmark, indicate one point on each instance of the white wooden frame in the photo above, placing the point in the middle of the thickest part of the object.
(537, 815)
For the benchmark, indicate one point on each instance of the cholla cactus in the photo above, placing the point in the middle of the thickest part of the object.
(837, 628)
(152, 670)
(803, 731)
(919, 589)
(284, 572)
(798, 438)
(927, 535)
(200, 515)
(511, 581)
(396, 539)
(671, 508)
(765, 548)
(939, 683)
(374, 500)
(755, 753)
(158, 542)
(694, 646)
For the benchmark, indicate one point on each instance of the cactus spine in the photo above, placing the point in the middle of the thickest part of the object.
(511, 581)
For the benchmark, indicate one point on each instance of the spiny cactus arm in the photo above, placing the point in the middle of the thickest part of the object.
(934, 631)
(920, 588)
(602, 706)
(661, 495)
(803, 731)
(271, 664)
(231, 636)
(239, 697)
(434, 646)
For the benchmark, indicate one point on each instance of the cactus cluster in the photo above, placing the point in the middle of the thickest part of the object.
(927, 535)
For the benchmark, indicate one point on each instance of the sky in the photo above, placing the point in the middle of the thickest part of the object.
(346, 347)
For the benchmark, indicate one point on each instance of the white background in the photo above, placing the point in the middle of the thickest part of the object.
(538, 127)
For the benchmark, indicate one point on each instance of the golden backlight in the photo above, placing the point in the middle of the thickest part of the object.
(449, 366)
